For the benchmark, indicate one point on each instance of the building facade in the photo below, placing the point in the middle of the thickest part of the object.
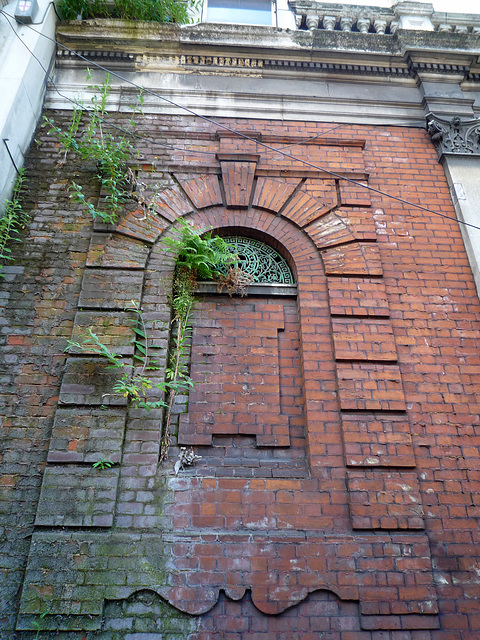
(334, 408)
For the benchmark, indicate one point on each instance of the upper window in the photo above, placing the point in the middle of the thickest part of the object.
(240, 11)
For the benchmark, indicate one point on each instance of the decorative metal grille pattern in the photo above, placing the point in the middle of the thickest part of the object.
(261, 261)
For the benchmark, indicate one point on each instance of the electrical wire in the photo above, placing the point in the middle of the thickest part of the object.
(117, 127)
(247, 137)
(103, 120)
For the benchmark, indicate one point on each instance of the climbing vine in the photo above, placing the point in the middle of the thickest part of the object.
(199, 257)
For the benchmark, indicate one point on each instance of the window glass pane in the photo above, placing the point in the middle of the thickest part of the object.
(240, 11)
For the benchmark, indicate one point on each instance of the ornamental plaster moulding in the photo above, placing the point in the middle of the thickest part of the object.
(454, 135)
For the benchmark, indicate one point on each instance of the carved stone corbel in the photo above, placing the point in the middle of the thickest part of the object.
(453, 135)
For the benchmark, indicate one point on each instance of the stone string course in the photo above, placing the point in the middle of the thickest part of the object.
(346, 503)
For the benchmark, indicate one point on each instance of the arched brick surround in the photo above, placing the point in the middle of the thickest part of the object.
(357, 508)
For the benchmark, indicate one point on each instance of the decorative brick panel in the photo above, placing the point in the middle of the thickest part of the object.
(86, 435)
(390, 573)
(116, 251)
(377, 440)
(114, 329)
(385, 500)
(363, 339)
(110, 289)
(89, 381)
(358, 297)
(236, 372)
(370, 387)
(77, 497)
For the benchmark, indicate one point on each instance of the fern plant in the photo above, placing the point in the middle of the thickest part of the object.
(203, 256)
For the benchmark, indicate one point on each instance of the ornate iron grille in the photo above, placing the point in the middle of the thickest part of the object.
(261, 261)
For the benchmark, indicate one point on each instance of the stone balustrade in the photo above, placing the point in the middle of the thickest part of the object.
(311, 15)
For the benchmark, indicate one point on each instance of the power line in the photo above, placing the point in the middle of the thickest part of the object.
(103, 120)
(247, 137)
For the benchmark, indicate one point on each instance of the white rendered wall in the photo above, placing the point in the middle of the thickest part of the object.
(22, 86)
(463, 176)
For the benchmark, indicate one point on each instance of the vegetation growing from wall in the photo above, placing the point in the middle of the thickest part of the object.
(93, 142)
(13, 221)
(198, 257)
(148, 10)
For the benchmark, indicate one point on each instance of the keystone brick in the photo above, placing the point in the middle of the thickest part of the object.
(238, 182)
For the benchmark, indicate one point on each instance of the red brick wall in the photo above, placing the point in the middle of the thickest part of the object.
(374, 496)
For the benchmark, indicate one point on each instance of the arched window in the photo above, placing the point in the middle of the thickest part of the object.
(261, 261)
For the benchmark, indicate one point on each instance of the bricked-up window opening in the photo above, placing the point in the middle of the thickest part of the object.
(245, 412)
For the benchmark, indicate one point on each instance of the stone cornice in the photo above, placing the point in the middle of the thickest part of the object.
(262, 51)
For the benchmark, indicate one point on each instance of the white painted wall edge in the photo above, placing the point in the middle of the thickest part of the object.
(463, 176)
(23, 84)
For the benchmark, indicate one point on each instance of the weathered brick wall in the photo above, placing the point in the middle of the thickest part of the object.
(351, 510)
